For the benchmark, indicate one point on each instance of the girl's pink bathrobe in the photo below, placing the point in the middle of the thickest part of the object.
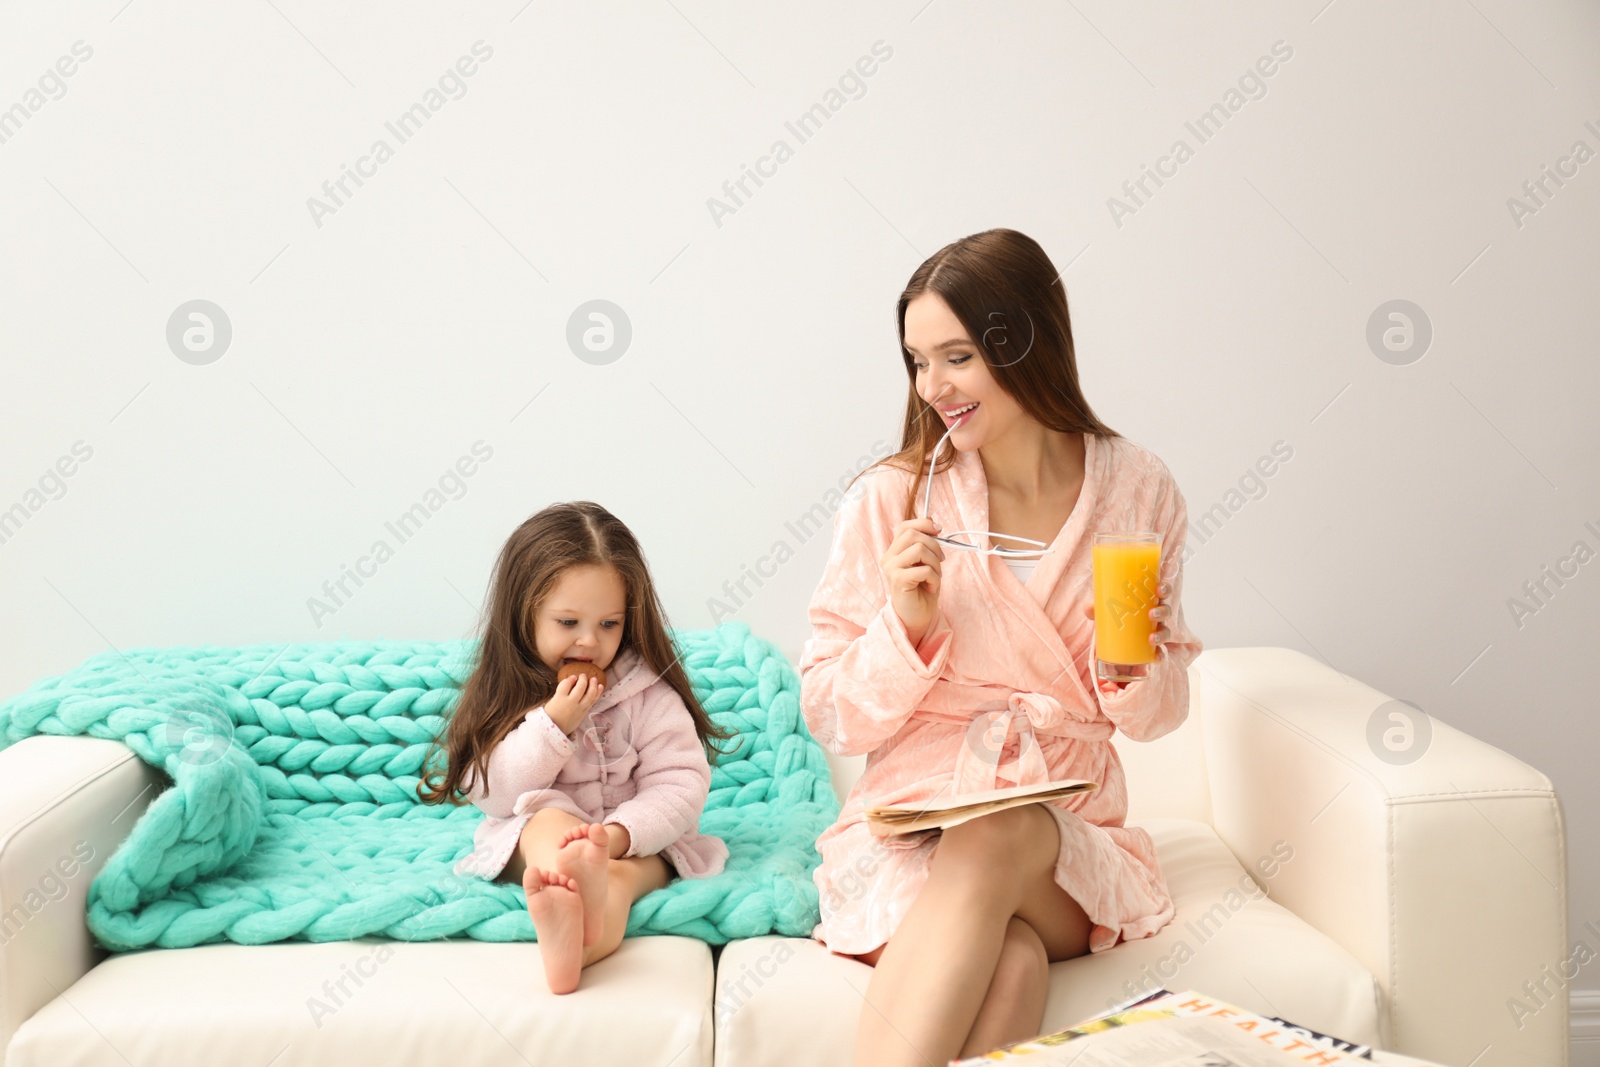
(996, 645)
(636, 761)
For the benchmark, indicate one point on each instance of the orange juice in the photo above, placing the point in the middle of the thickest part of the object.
(1125, 576)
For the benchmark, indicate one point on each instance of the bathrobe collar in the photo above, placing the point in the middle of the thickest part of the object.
(628, 674)
(1028, 711)
(971, 488)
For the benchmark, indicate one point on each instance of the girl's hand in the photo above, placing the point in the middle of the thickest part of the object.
(911, 568)
(574, 696)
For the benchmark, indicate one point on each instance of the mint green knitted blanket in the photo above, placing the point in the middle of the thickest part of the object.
(293, 815)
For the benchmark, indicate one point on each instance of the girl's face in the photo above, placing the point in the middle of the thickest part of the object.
(583, 617)
(952, 375)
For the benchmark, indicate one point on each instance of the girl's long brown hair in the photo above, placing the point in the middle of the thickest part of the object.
(509, 678)
(1012, 303)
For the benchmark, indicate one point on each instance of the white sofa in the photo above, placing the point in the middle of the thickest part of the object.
(1401, 905)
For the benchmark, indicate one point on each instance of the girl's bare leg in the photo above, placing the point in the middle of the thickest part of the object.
(933, 976)
(562, 870)
(551, 841)
(629, 880)
(557, 913)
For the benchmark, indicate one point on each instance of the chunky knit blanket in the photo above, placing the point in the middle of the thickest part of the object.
(292, 813)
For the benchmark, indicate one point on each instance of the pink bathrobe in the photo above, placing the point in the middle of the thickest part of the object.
(1025, 652)
(634, 760)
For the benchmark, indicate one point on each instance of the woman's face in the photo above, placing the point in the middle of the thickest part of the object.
(583, 617)
(951, 374)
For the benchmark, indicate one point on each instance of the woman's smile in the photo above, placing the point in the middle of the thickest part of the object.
(955, 414)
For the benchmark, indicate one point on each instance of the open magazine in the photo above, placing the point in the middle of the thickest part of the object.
(1187, 1029)
(892, 819)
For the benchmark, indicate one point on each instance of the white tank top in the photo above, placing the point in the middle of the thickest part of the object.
(1022, 568)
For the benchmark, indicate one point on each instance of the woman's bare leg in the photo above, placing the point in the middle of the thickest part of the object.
(1013, 1007)
(933, 976)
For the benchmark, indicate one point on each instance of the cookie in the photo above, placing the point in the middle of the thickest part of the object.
(578, 666)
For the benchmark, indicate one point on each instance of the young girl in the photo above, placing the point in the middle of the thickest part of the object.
(955, 670)
(592, 792)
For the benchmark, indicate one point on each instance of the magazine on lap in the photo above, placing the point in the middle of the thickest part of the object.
(892, 819)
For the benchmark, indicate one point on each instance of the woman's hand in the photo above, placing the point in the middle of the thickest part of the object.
(1159, 613)
(911, 568)
(1159, 636)
(574, 696)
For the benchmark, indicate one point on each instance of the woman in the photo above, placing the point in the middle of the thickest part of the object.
(957, 671)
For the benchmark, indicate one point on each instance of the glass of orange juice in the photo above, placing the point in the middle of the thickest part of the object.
(1127, 569)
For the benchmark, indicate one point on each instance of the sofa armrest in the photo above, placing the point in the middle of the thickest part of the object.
(66, 803)
(1446, 876)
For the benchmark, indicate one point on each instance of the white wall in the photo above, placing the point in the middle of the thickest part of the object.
(373, 346)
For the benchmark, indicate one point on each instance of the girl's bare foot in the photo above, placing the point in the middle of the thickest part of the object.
(557, 913)
(583, 857)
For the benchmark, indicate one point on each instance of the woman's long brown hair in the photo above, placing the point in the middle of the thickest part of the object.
(509, 679)
(1012, 303)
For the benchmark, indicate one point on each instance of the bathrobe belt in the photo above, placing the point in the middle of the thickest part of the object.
(990, 727)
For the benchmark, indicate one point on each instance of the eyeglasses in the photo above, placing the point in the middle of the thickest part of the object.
(951, 538)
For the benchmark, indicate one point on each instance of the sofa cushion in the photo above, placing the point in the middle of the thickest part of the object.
(455, 1001)
(1228, 939)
